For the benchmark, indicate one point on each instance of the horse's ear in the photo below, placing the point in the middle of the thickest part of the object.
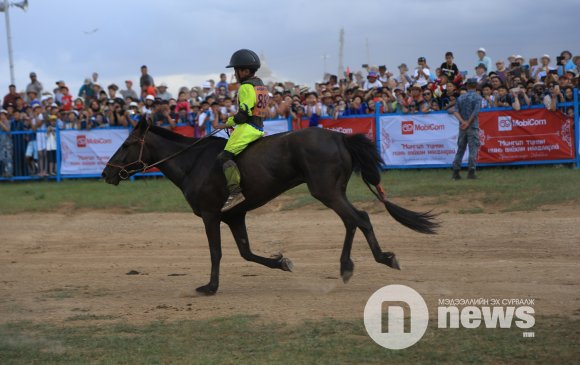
(142, 125)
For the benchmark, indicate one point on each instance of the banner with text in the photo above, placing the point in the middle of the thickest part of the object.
(363, 124)
(525, 135)
(418, 139)
(87, 152)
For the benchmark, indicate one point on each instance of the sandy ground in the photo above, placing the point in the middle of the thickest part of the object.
(60, 266)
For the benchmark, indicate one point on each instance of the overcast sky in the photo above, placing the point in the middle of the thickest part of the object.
(187, 42)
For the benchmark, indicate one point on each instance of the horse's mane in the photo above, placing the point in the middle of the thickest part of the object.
(176, 137)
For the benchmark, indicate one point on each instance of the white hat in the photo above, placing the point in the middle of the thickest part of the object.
(206, 85)
(134, 104)
(54, 105)
(150, 97)
(481, 50)
(519, 56)
(3, 111)
(163, 84)
(546, 56)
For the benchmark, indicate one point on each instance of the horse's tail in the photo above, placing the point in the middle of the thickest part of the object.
(366, 159)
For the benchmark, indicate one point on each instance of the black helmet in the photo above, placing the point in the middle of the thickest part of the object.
(244, 58)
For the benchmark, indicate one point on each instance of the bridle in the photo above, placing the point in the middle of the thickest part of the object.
(124, 173)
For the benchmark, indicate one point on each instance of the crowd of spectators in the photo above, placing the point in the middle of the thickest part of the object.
(513, 82)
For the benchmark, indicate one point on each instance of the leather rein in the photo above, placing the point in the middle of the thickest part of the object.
(124, 173)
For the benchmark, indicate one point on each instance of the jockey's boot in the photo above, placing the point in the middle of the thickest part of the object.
(232, 175)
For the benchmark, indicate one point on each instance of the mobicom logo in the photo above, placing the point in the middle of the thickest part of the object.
(402, 329)
(81, 141)
(409, 127)
(506, 123)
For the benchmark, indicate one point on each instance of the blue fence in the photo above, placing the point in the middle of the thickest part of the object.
(36, 155)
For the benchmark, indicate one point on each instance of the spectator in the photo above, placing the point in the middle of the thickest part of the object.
(162, 92)
(383, 75)
(134, 114)
(483, 58)
(146, 81)
(10, 98)
(414, 103)
(538, 94)
(404, 80)
(95, 77)
(356, 107)
(129, 92)
(34, 85)
(501, 71)
(36, 149)
(449, 68)
(503, 99)
(487, 101)
(565, 62)
(312, 109)
(223, 83)
(148, 106)
(66, 98)
(86, 91)
(495, 82)
(553, 97)
(5, 145)
(112, 92)
(540, 72)
(20, 143)
(422, 75)
(51, 145)
(481, 75)
(116, 116)
(372, 81)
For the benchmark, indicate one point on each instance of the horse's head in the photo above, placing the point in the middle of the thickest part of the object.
(130, 158)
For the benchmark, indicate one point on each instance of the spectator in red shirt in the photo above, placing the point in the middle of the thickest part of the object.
(66, 98)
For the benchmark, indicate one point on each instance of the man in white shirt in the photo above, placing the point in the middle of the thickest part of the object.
(162, 92)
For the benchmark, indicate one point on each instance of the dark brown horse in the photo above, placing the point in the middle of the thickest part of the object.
(322, 159)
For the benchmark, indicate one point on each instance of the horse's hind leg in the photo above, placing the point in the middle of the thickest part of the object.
(336, 200)
(237, 225)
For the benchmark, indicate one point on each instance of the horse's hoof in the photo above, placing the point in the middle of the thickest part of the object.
(346, 271)
(286, 264)
(346, 275)
(390, 259)
(206, 290)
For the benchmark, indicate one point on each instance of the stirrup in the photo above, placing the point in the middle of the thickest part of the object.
(232, 201)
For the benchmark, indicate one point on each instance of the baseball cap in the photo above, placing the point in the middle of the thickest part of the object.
(33, 74)
(372, 74)
(421, 59)
(150, 97)
(481, 49)
(206, 85)
(546, 56)
(3, 111)
(52, 117)
(133, 105)
(162, 84)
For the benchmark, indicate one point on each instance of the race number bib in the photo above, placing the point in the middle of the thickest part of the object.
(262, 99)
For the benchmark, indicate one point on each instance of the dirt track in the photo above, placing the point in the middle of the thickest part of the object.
(57, 266)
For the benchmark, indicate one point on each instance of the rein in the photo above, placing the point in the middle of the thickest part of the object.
(124, 173)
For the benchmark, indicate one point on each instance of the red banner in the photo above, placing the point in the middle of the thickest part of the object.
(347, 125)
(525, 135)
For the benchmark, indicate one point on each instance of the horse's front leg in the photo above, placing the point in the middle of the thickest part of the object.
(212, 230)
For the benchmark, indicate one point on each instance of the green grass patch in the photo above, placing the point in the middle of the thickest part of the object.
(247, 340)
(507, 189)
